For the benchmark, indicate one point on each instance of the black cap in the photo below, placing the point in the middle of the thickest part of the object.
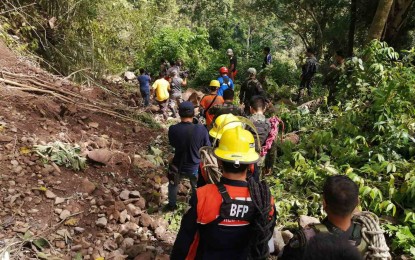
(186, 109)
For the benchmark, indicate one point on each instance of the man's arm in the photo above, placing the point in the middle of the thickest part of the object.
(186, 235)
(242, 93)
(294, 250)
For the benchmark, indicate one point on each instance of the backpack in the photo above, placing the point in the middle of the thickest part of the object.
(225, 83)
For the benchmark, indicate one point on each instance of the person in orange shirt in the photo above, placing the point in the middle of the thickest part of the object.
(208, 101)
(234, 218)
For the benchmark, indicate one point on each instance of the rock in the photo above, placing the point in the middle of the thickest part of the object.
(60, 244)
(110, 245)
(129, 76)
(144, 256)
(306, 220)
(102, 142)
(292, 138)
(64, 214)
(14, 162)
(100, 155)
(116, 255)
(127, 243)
(101, 222)
(76, 248)
(58, 211)
(5, 139)
(50, 195)
(133, 210)
(87, 186)
(145, 220)
(162, 257)
(93, 125)
(135, 194)
(124, 216)
(129, 228)
(141, 203)
(79, 230)
(59, 200)
(160, 233)
(125, 195)
(287, 235)
(278, 241)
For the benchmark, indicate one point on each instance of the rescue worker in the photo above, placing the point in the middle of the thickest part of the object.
(340, 199)
(257, 108)
(267, 57)
(144, 82)
(309, 69)
(226, 220)
(232, 64)
(227, 107)
(162, 88)
(225, 81)
(330, 247)
(176, 85)
(250, 88)
(186, 138)
(208, 101)
(337, 69)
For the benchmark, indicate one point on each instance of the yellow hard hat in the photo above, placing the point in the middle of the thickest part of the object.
(223, 123)
(214, 83)
(237, 145)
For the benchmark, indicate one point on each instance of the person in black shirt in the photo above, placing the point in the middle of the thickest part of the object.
(186, 138)
(267, 57)
(232, 64)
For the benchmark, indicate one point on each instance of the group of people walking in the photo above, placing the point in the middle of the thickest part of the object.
(234, 215)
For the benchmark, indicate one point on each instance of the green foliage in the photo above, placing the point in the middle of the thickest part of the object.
(368, 136)
(62, 154)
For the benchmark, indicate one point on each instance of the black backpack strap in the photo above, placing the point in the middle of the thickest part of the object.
(224, 193)
(211, 104)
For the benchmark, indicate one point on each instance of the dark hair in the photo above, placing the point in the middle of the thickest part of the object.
(228, 94)
(213, 88)
(340, 53)
(142, 70)
(341, 195)
(267, 49)
(326, 246)
(311, 50)
(163, 60)
(258, 103)
(230, 167)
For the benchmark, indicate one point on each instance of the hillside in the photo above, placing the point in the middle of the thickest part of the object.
(53, 212)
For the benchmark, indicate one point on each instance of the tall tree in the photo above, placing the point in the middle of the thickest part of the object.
(380, 19)
(397, 18)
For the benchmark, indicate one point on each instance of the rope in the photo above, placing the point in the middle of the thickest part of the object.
(209, 163)
(262, 223)
(273, 134)
(373, 235)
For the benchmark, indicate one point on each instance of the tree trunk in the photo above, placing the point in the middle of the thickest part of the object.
(380, 19)
(397, 18)
(352, 27)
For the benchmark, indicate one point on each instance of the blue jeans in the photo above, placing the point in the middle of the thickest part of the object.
(174, 188)
(145, 94)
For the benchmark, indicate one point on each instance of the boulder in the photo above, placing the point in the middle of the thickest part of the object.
(101, 222)
(306, 220)
(87, 186)
(129, 76)
(125, 195)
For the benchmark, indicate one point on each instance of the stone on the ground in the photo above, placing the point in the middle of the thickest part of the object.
(162, 257)
(125, 195)
(145, 220)
(135, 194)
(100, 155)
(101, 222)
(87, 186)
(128, 76)
(93, 124)
(127, 243)
(64, 214)
(128, 228)
(306, 220)
(124, 216)
(79, 230)
(133, 210)
(287, 235)
(136, 250)
(50, 195)
(59, 200)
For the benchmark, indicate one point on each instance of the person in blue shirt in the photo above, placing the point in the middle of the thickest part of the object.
(267, 57)
(144, 81)
(225, 81)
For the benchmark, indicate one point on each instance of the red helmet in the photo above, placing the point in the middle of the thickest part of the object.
(223, 70)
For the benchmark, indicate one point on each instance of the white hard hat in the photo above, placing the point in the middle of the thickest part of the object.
(229, 52)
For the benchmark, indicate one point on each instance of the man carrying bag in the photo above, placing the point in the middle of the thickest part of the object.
(186, 138)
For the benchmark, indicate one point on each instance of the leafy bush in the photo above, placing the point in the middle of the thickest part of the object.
(368, 136)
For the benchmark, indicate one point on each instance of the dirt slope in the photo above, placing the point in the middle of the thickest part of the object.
(52, 212)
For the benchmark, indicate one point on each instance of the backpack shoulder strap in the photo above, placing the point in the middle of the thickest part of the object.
(319, 228)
